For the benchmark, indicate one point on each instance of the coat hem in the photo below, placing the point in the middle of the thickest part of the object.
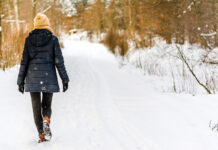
(42, 91)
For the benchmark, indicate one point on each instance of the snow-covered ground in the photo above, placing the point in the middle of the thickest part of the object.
(107, 108)
(162, 64)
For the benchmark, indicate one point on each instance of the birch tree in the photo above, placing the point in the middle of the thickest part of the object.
(16, 13)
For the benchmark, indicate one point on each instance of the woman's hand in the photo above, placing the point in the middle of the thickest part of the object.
(21, 88)
(65, 87)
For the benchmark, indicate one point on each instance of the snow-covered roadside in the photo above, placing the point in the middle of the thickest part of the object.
(169, 73)
(108, 107)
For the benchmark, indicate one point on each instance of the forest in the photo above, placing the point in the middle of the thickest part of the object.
(119, 24)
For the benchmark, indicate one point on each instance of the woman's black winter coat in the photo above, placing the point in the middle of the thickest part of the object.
(41, 55)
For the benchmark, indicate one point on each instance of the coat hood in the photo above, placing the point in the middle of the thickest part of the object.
(40, 37)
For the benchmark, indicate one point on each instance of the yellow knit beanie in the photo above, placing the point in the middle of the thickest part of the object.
(41, 21)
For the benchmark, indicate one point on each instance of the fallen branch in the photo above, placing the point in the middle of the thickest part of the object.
(192, 72)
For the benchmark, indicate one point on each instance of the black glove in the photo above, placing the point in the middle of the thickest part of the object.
(65, 87)
(21, 88)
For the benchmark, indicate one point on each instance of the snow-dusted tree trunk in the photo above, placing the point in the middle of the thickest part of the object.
(16, 12)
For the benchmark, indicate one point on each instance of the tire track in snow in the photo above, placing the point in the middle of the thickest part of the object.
(128, 136)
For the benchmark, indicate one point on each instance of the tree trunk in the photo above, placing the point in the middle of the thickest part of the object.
(34, 8)
(129, 12)
(216, 24)
(54, 17)
(16, 12)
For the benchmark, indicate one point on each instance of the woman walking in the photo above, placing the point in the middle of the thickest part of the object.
(37, 74)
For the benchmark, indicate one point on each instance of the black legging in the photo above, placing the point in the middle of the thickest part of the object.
(41, 108)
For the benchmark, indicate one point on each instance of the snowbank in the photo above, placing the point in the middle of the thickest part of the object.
(162, 64)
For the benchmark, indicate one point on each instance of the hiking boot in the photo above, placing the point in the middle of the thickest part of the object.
(46, 129)
(41, 138)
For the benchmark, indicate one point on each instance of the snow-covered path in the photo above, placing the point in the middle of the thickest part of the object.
(107, 108)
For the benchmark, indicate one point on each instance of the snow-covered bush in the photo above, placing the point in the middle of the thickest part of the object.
(162, 63)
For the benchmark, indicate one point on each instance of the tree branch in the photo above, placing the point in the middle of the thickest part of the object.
(192, 72)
